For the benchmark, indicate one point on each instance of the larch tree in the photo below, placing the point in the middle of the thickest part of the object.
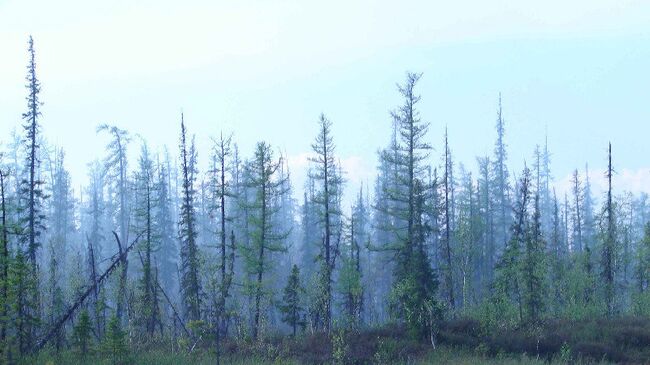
(328, 184)
(221, 192)
(266, 186)
(115, 170)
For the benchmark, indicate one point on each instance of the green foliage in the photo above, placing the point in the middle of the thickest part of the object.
(81, 334)
(114, 346)
(292, 310)
(340, 348)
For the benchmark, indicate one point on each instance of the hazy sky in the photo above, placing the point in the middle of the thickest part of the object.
(265, 70)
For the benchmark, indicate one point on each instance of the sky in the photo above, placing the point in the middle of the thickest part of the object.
(573, 71)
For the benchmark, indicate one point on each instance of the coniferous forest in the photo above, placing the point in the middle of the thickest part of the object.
(155, 261)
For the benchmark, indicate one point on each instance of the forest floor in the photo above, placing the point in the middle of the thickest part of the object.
(461, 341)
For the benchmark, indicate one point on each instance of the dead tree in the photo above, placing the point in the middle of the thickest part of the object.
(117, 260)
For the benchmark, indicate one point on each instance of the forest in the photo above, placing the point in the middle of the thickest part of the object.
(155, 262)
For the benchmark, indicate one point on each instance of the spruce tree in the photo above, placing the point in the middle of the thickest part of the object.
(292, 310)
(190, 278)
(415, 285)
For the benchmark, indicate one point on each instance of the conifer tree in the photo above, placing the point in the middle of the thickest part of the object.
(292, 310)
(534, 275)
(414, 288)
(190, 278)
(328, 190)
(115, 170)
(81, 334)
(266, 187)
(144, 222)
(114, 346)
(609, 242)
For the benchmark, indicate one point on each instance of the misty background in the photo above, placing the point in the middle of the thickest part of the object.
(266, 70)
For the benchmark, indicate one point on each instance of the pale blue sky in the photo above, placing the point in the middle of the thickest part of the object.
(266, 69)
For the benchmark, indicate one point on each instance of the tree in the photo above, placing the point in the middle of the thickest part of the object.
(167, 254)
(447, 186)
(114, 346)
(4, 271)
(609, 242)
(292, 310)
(349, 280)
(501, 186)
(31, 196)
(328, 191)
(144, 221)
(221, 190)
(262, 179)
(81, 334)
(577, 217)
(190, 279)
(509, 281)
(534, 275)
(413, 293)
(115, 170)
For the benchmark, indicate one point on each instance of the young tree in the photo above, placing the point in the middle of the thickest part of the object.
(190, 278)
(114, 346)
(292, 310)
(81, 334)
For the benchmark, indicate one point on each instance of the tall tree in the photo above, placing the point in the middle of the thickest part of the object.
(447, 186)
(4, 270)
(31, 188)
(501, 186)
(115, 169)
(577, 216)
(328, 190)
(534, 274)
(190, 277)
(263, 180)
(415, 284)
(509, 282)
(144, 221)
(222, 190)
(608, 258)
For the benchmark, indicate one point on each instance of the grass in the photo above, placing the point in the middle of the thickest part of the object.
(460, 341)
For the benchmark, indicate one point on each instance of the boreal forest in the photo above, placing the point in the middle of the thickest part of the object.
(188, 255)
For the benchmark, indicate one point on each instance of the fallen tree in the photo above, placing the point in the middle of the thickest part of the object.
(96, 284)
